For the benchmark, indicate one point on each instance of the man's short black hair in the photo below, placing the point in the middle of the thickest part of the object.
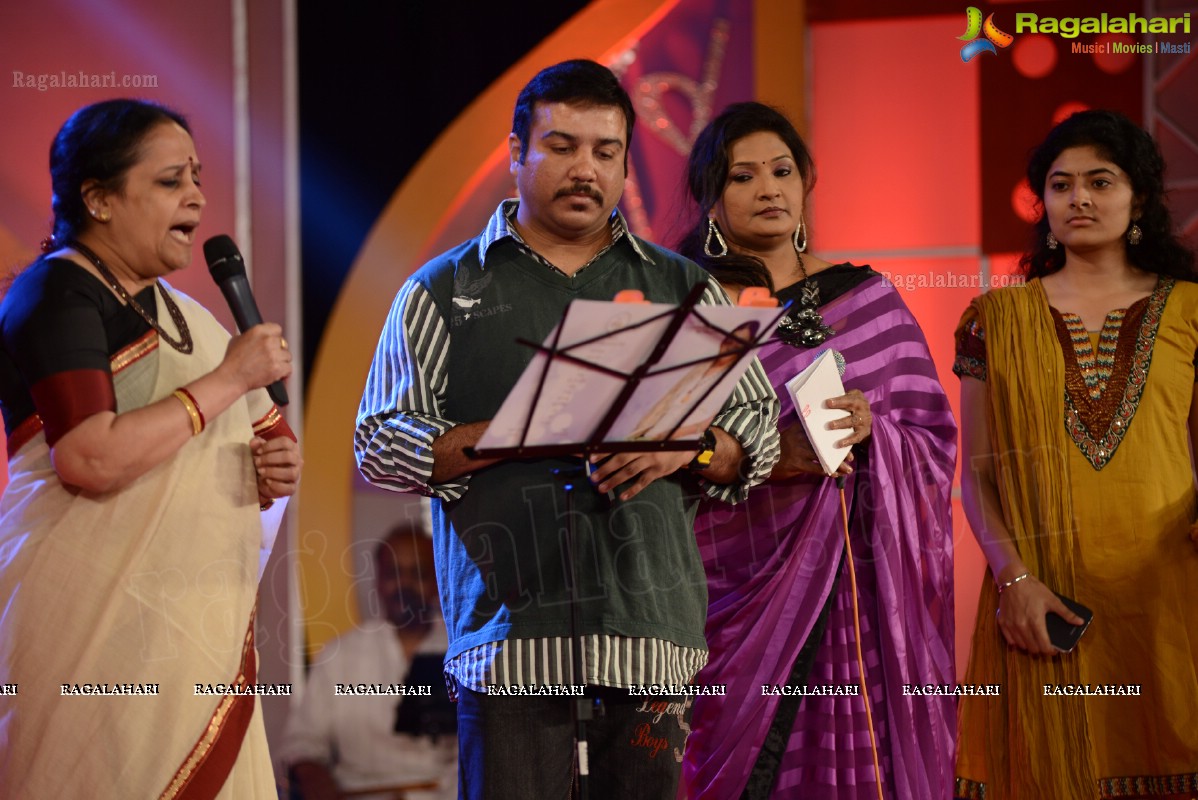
(575, 82)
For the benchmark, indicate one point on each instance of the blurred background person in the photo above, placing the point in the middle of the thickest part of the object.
(1078, 422)
(335, 744)
(141, 449)
(782, 605)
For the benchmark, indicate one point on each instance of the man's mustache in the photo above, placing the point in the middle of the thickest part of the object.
(580, 189)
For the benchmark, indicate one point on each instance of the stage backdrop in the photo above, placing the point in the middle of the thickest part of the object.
(919, 154)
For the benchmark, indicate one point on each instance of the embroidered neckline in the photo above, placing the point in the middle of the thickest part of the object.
(1103, 391)
(1096, 370)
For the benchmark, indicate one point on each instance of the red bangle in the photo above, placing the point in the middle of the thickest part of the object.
(199, 423)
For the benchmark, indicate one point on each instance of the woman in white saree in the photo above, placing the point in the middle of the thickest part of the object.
(142, 450)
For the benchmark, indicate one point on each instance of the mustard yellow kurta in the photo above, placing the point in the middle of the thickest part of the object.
(1117, 539)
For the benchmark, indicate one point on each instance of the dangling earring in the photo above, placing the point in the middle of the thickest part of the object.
(1051, 241)
(1134, 235)
(712, 230)
(800, 237)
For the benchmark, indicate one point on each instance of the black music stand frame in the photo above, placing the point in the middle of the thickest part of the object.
(582, 710)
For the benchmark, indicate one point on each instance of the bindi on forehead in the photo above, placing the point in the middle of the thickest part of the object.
(190, 164)
(763, 163)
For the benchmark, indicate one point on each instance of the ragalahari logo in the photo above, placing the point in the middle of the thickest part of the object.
(994, 36)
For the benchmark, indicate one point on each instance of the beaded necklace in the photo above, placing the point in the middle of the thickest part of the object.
(184, 343)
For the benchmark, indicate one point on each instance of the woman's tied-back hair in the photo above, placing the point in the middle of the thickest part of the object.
(100, 142)
(707, 175)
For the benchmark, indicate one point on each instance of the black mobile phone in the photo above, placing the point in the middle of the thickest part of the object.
(1062, 634)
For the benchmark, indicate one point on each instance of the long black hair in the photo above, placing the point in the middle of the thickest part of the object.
(707, 175)
(1121, 141)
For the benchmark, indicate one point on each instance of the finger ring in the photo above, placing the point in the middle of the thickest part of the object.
(282, 343)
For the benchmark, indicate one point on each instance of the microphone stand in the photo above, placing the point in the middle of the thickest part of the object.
(582, 709)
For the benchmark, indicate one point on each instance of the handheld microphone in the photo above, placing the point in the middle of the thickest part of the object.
(228, 270)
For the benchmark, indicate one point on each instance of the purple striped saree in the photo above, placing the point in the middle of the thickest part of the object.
(772, 566)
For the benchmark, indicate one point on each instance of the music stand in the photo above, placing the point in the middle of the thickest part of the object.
(554, 351)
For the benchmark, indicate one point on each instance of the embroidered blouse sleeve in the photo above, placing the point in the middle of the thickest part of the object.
(970, 360)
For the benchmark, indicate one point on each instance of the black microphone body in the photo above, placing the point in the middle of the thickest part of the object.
(228, 270)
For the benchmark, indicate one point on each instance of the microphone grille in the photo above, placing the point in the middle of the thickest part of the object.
(223, 257)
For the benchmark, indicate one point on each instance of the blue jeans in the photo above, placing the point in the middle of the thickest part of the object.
(516, 748)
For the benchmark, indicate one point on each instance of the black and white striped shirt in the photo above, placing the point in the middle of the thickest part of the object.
(400, 417)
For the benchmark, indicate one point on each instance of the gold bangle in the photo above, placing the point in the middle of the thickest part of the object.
(270, 501)
(193, 411)
(195, 404)
(1013, 581)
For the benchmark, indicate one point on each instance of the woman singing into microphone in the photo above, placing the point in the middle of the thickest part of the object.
(141, 450)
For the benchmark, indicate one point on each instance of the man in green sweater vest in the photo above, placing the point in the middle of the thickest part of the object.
(446, 360)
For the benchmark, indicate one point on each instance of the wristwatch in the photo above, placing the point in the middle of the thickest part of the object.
(702, 459)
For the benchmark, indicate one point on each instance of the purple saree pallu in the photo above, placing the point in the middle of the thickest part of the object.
(772, 565)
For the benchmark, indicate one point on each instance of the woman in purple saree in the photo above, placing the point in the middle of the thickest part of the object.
(780, 624)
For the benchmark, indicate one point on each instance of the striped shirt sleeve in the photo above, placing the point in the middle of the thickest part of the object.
(400, 414)
(751, 417)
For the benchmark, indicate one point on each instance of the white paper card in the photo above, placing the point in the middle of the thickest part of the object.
(809, 389)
